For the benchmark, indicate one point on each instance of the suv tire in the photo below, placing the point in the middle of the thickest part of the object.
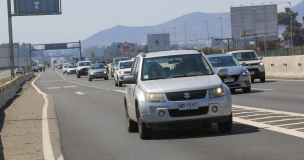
(106, 78)
(143, 130)
(246, 90)
(252, 80)
(116, 84)
(232, 90)
(262, 80)
(78, 75)
(119, 83)
(89, 78)
(225, 127)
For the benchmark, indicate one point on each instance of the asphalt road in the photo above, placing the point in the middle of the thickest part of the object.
(92, 124)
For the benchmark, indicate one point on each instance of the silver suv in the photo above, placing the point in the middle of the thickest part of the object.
(254, 64)
(174, 89)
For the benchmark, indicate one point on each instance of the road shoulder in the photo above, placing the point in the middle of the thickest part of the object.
(22, 129)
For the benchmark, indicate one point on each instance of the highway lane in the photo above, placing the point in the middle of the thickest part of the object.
(92, 126)
(5, 73)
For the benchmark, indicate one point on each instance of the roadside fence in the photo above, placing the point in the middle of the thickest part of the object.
(10, 89)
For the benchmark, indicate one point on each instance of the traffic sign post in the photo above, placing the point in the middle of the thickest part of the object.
(258, 48)
(286, 46)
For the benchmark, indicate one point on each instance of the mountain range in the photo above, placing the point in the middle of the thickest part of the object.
(195, 23)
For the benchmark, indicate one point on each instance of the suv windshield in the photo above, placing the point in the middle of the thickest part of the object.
(245, 56)
(223, 61)
(97, 66)
(175, 66)
(84, 63)
(120, 59)
(124, 65)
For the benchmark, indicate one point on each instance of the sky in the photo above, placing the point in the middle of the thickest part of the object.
(83, 18)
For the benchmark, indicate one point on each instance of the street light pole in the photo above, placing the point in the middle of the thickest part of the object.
(290, 26)
(175, 36)
(185, 35)
(221, 31)
(208, 34)
(10, 31)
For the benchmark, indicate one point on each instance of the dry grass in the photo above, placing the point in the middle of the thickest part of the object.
(7, 79)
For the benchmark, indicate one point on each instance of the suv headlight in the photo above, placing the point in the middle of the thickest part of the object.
(261, 64)
(104, 72)
(155, 97)
(245, 73)
(121, 72)
(92, 73)
(216, 92)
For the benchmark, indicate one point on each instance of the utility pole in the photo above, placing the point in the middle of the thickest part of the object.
(10, 32)
(290, 25)
(80, 50)
(175, 36)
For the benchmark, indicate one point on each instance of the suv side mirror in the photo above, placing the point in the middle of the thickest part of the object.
(243, 63)
(222, 72)
(129, 80)
(260, 58)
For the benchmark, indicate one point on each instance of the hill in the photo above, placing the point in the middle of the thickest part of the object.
(195, 30)
(300, 9)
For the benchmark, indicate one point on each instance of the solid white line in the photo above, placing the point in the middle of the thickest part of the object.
(46, 140)
(286, 80)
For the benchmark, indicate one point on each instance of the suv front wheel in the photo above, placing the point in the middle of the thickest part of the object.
(143, 130)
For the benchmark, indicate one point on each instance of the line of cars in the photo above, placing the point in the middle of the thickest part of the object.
(178, 89)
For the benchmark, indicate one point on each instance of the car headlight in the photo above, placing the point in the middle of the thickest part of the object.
(261, 64)
(155, 98)
(92, 73)
(121, 72)
(104, 72)
(216, 92)
(245, 73)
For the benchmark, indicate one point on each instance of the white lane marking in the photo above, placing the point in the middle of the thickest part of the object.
(276, 128)
(69, 86)
(46, 140)
(262, 89)
(60, 157)
(286, 80)
(80, 93)
(121, 91)
(53, 87)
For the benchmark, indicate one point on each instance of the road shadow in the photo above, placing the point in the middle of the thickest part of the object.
(201, 132)
(270, 81)
(241, 92)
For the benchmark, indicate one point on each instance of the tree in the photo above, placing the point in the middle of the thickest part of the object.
(284, 22)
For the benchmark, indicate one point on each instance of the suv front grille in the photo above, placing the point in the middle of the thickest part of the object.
(252, 64)
(185, 113)
(85, 69)
(181, 96)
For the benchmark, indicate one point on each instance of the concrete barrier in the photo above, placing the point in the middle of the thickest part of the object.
(10, 89)
(284, 67)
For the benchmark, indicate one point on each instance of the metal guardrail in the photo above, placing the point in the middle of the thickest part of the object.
(10, 89)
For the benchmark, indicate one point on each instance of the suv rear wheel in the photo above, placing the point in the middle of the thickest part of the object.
(225, 127)
(143, 130)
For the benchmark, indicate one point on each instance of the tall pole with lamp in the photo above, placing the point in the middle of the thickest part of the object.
(290, 26)
(221, 32)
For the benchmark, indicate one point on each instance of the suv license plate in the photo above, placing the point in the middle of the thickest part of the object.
(228, 80)
(188, 106)
(252, 72)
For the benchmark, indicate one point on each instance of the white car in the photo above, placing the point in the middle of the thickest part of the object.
(64, 70)
(123, 69)
(71, 70)
(254, 64)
